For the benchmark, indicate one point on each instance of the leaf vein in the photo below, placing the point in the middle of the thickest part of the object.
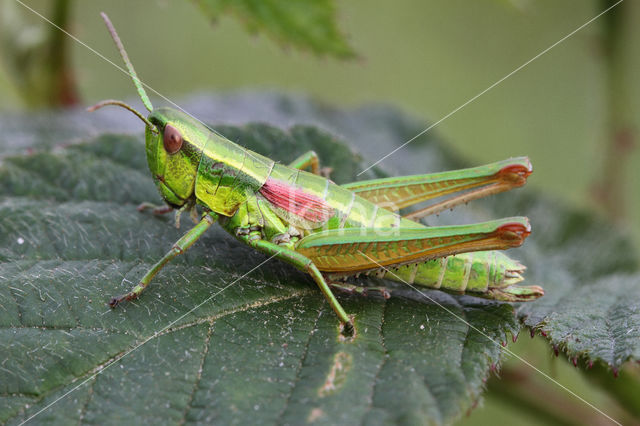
(196, 383)
(83, 411)
(100, 367)
(382, 363)
(296, 378)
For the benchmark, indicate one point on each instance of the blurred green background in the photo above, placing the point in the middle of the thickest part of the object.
(427, 58)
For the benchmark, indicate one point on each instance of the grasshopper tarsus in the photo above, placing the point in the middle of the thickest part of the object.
(348, 330)
(325, 172)
(349, 289)
(115, 301)
(156, 210)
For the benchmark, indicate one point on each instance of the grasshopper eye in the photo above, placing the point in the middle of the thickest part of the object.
(172, 139)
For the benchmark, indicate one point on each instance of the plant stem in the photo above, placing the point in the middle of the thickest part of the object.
(63, 89)
(611, 190)
(37, 56)
(625, 388)
(516, 386)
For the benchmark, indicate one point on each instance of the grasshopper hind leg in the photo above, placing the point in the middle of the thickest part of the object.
(304, 264)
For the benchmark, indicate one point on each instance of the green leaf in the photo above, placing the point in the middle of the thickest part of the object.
(267, 348)
(304, 24)
(589, 269)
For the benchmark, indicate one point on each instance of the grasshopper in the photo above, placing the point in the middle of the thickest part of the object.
(327, 230)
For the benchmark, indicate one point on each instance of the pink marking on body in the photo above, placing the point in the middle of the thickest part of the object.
(296, 201)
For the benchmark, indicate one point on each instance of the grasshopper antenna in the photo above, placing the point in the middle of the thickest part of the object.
(132, 71)
(125, 106)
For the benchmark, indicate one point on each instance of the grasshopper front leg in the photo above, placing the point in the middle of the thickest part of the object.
(178, 248)
(190, 205)
(155, 209)
(304, 264)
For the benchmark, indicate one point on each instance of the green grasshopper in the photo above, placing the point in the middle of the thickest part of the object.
(326, 230)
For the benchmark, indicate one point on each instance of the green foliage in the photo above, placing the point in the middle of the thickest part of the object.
(36, 56)
(590, 273)
(304, 24)
(266, 349)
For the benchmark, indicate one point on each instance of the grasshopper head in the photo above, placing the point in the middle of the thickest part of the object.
(173, 153)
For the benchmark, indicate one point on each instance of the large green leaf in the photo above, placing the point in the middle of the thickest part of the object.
(304, 24)
(266, 349)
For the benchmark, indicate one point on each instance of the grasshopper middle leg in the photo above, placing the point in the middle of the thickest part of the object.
(360, 290)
